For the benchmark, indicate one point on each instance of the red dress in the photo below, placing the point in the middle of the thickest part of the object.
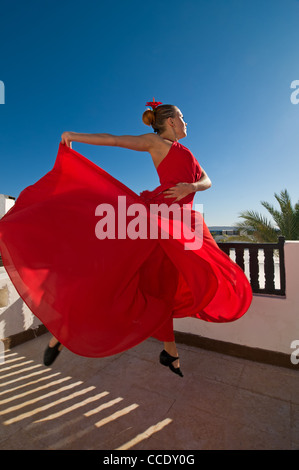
(99, 297)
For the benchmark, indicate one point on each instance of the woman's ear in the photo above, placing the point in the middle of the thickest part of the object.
(170, 121)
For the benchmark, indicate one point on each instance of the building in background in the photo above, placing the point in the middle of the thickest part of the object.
(220, 233)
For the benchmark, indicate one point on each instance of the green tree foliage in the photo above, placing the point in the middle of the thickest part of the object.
(285, 221)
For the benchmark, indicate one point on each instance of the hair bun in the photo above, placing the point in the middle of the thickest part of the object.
(148, 117)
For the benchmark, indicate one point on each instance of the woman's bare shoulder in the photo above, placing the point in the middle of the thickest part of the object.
(157, 142)
(159, 149)
(154, 140)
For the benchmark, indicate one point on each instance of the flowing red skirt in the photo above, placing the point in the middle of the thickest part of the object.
(101, 297)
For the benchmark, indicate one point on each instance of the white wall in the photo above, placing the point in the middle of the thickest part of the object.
(6, 203)
(15, 316)
(271, 323)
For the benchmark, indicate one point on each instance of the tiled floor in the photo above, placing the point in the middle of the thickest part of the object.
(130, 401)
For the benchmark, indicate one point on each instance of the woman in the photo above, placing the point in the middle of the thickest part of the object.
(131, 289)
(169, 125)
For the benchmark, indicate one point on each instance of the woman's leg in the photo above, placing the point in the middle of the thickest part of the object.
(52, 351)
(53, 342)
(166, 335)
(171, 348)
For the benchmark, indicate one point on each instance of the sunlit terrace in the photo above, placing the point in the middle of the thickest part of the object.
(130, 402)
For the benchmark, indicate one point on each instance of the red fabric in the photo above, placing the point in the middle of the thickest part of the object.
(101, 297)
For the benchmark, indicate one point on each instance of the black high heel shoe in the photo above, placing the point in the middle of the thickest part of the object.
(50, 354)
(167, 360)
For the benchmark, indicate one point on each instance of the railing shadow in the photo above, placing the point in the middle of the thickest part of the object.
(57, 411)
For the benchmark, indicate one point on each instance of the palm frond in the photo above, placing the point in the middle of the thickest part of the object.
(274, 212)
(283, 199)
(258, 226)
(286, 220)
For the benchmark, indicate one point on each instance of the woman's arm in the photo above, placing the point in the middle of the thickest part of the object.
(182, 190)
(142, 143)
(203, 183)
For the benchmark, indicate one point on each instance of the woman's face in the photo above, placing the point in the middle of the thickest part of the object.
(180, 126)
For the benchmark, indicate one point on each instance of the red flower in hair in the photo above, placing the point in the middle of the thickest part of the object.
(153, 103)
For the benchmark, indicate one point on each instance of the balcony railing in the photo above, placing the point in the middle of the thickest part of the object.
(263, 263)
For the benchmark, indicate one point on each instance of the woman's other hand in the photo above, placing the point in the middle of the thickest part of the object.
(179, 191)
(66, 139)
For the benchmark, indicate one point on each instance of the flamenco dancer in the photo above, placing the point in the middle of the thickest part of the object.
(99, 297)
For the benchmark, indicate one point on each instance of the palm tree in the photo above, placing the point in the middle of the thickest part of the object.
(258, 228)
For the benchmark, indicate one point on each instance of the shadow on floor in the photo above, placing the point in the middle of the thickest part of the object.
(129, 401)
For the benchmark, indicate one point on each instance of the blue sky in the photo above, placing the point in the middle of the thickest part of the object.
(91, 66)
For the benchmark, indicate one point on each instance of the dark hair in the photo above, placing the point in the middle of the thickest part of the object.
(156, 118)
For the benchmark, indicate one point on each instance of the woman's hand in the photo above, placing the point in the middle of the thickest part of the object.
(66, 139)
(179, 191)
